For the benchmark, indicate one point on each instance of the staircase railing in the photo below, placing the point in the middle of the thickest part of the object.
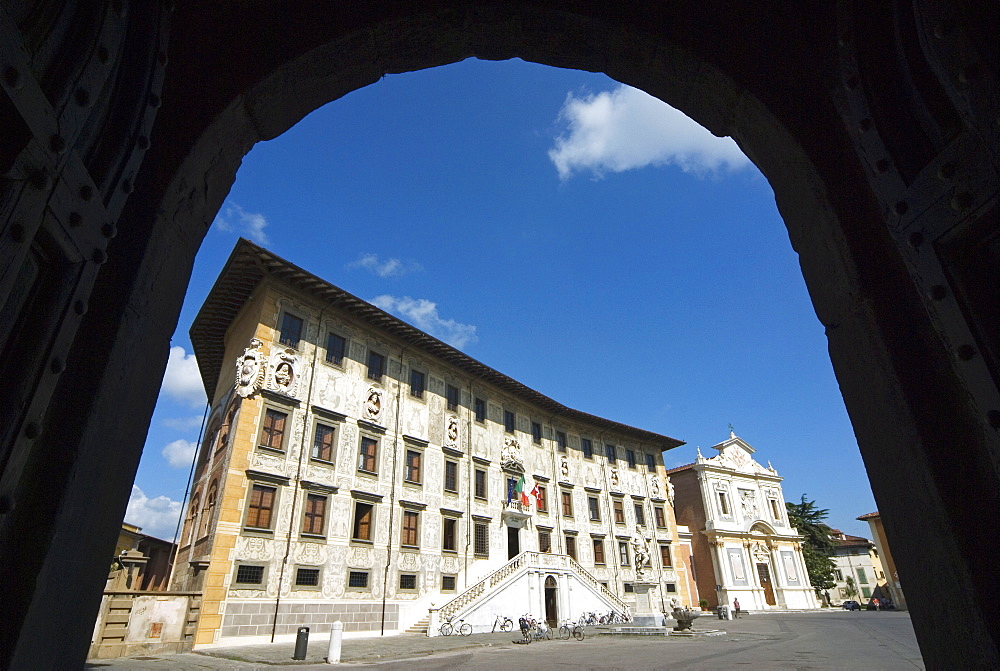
(598, 585)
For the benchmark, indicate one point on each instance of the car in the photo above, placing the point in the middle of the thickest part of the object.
(852, 605)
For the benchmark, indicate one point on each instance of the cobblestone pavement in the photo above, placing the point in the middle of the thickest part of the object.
(821, 640)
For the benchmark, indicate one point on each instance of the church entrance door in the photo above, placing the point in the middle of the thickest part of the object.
(764, 573)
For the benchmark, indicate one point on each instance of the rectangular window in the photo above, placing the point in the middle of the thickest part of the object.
(260, 507)
(480, 483)
(376, 366)
(448, 583)
(775, 511)
(661, 517)
(640, 515)
(367, 454)
(651, 463)
(544, 540)
(482, 539)
(542, 499)
(587, 447)
(363, 514)
(413, 466)
(723, 503)
(450, 536)
(315, 515)
(671, 587)
(561, 441)
(610, 453)
(451, 477)
(335, 347)
(247, 574)
(357, 579)
(536, 433)
(272, 434)
(623, 553)
(291, 330)
(307, 577)
(508, 421)
(595, 509)
(407, 581)
(665, 558)
(480, 409)
(409, 532)
(571, 546)
(416, 384)
(862, 577)
(452, 394)
(629, 588)
(630, 457)
(323, 443)
(567, 503)
(598, 550)
(866, 592)
(840, 576)
(619, 508)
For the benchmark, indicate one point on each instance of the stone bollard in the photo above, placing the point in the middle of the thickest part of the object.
(336, 639)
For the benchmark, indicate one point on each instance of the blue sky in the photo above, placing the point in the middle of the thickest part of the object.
(573, 233)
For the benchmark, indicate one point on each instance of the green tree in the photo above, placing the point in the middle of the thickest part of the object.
(816, 544)
(852, 589)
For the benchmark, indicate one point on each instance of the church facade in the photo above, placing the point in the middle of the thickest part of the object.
(741, 542)
(357, 469)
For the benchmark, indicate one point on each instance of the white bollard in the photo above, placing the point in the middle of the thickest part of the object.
(336, 637)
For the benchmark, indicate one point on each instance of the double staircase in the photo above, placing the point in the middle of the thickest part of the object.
(420, 626)
(467, 601)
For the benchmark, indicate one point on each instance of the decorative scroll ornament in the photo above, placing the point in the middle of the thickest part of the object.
(250, 369)
(510, 455)
(285, 372)
(452, 431)
(373, 403)
(759, 551)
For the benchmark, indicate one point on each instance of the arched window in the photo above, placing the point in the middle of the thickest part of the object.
(222, 441)
(209, 511)
(191, 524)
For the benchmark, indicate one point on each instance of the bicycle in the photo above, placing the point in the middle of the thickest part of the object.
(525, 624)
(449, 627)
(573, 629)
(541, 631)
(505, 623)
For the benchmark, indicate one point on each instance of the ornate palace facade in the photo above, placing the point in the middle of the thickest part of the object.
(358, 469)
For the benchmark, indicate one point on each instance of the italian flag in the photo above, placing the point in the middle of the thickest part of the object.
(522, 495)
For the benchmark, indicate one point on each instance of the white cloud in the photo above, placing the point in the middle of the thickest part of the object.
(423, 314)
(181, 380)
(384, 268)
(179, 453)
(626, 128)
(183, 423)
(157, 517)
(235, 219)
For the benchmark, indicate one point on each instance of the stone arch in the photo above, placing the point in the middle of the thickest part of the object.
(889, 221)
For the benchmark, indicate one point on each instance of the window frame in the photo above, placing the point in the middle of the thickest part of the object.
(509, 421)
(481, 484)
(351, 572)
(269, 432)
(409, 534)
(481, 539)
(630, 458)
(536, 433)
(329, 357)
(650, 462)
(319, 578)
(275, 490)
(599, 557)
(611, 453)
(453, 397)
(618, 505)
(416, 582)
(363, 456)
(454, 582)
(666, 556)
(450, 464)
(587, 447)
(594, 508)
(640, 513)
(542, 500)
(413, 472)
(561, 441)
(570, 545)
(250, 585)
(356, 522)
(447, 521)
(285, 316)
(545, 540)
(375, 374)
(623, 553)
(566, 502)
(479, 405)
(660, 514)
(307, 529)
(418, 383)
(332, 455)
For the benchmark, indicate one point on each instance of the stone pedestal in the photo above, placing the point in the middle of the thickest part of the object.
(645, 615)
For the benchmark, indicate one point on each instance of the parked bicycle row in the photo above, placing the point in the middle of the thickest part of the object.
(534, 630)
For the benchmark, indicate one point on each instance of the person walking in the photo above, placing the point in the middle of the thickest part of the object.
(736, 607)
